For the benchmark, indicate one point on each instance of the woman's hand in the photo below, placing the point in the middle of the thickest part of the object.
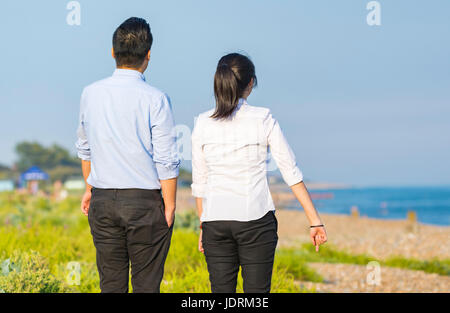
(318, 236)
(200, 244)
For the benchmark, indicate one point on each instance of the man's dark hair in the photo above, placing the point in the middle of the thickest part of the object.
(131, 42)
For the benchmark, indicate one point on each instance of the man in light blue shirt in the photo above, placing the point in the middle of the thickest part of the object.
(126, 140)
(127, 133)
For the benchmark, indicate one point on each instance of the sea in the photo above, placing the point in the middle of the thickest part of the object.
(430, 204)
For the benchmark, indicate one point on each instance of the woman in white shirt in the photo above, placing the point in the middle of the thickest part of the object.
(229, 173)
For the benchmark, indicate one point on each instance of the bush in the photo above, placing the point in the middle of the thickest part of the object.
(61, 234)
(187, 220)
(28, 272)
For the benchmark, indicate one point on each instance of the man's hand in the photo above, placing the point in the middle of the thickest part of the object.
(170, 216)
(85, 202)
(169, 192)
(318, 236)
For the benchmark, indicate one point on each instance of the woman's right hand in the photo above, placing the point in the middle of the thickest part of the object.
(200, 244)
(318, 236)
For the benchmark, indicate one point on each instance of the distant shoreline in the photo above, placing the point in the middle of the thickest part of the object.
(285, 200)
(279, 186)
(387, 219)
(429, 206)
(327, 186)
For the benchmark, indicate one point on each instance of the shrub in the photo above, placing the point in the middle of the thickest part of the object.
(27, 272)
(187, 220)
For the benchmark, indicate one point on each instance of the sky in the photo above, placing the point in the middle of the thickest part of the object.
(359, 104)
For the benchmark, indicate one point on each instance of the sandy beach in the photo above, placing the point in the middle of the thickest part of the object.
(378, 238)
(381, 239)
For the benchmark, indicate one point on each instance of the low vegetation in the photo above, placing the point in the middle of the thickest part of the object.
(40, 240)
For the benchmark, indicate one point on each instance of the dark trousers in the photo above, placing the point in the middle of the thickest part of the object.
(129, 225)
(251, 245)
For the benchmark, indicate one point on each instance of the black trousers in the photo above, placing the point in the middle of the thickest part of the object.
(251, 245)
(129, 225)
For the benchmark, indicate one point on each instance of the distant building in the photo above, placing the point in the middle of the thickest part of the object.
(74, 184)
(6, 185)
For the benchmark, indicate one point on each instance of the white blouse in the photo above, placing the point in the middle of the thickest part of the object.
(229, 163)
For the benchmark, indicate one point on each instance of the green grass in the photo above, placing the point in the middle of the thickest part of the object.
(185, 269)
(56, 233)
(45, 236)
(441, 267)
(329, 254)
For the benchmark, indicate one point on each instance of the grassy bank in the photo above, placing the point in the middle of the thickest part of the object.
(40, 238)
(328, 254)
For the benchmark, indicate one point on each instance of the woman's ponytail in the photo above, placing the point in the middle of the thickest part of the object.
(233, 75)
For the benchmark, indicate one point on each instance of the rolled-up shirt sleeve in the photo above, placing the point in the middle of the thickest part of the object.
(282, 152)
(163, 134)
(82, 144)
(199, 168)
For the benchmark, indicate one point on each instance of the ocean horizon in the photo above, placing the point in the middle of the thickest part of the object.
(430, 203)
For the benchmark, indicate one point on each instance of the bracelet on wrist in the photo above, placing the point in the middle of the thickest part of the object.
(314, 226)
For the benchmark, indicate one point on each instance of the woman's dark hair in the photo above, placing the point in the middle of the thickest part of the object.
(131, 42)
(233, 75)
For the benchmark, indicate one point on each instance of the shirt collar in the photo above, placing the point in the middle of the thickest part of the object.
(241, 102)
(128, 73)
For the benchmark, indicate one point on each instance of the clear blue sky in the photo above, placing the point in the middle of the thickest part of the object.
(359, 104)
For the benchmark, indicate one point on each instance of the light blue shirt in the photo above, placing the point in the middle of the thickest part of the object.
(126, 129)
